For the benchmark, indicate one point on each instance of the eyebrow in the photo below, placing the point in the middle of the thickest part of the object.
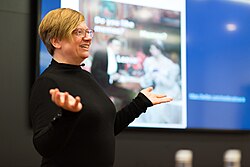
(82, 28)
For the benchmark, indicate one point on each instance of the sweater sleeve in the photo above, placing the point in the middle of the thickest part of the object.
(133, 110)
(51, 124)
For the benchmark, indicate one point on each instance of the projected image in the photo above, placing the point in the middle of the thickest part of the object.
(136, 46)
(181, 48)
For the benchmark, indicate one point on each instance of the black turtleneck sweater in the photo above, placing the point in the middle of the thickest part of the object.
(85, 138)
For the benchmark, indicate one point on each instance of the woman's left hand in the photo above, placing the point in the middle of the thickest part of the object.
(155, 98)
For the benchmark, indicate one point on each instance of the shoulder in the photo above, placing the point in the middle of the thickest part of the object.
(100, 53)
(149, 60)
(46, 80)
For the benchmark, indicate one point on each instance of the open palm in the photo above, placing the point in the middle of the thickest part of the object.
(155, 98)
(65, 100)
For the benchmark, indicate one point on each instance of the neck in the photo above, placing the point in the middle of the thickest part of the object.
(61, 59)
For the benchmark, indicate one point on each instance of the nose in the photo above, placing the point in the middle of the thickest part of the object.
(87, 38)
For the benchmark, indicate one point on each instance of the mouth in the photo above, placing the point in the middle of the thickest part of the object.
(85, 46)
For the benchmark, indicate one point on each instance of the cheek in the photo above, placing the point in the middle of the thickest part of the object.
(76, 45)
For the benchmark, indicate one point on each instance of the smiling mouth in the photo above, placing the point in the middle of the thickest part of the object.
(84, 46)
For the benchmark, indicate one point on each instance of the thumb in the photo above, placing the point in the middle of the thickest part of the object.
(146, 90)
(149, 89)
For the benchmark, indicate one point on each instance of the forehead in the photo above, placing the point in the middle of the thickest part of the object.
(152, 46)
(116, 42)
(82, 25)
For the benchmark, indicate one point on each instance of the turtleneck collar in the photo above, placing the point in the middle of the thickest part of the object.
(64, 65)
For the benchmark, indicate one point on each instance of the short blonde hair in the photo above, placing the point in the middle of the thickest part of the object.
(58, 23)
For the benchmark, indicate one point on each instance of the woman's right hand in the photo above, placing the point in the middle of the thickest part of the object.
(65, 100)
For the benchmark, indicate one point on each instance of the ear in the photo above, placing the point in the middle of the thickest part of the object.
(56, 43)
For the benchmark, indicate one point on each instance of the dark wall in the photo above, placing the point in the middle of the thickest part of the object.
(16, 147)
(135, 148)
(150, 148)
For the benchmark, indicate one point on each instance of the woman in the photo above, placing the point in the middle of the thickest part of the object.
(161, 72)
(74, 121)
(164, 75)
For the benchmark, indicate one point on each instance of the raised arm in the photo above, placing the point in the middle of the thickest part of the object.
(146, 98)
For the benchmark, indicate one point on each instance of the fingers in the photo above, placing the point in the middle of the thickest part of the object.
(160, 95)
(59, 98)
(162, 100)
(78, 104)
(53, 93)
(65, 100)
(149, 89)
(78, 99)
(166, 99)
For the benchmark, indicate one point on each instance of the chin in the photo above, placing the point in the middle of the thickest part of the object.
(85, 55)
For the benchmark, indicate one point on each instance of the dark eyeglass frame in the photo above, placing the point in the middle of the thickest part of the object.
(80, 32)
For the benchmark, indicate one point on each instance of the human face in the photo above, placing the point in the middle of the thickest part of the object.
(76, 49)
(116, 46)
(154, 50)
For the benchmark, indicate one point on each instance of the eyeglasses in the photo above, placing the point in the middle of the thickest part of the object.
(83, 32)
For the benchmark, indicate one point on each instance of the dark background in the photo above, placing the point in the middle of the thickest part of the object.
(135, 148)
